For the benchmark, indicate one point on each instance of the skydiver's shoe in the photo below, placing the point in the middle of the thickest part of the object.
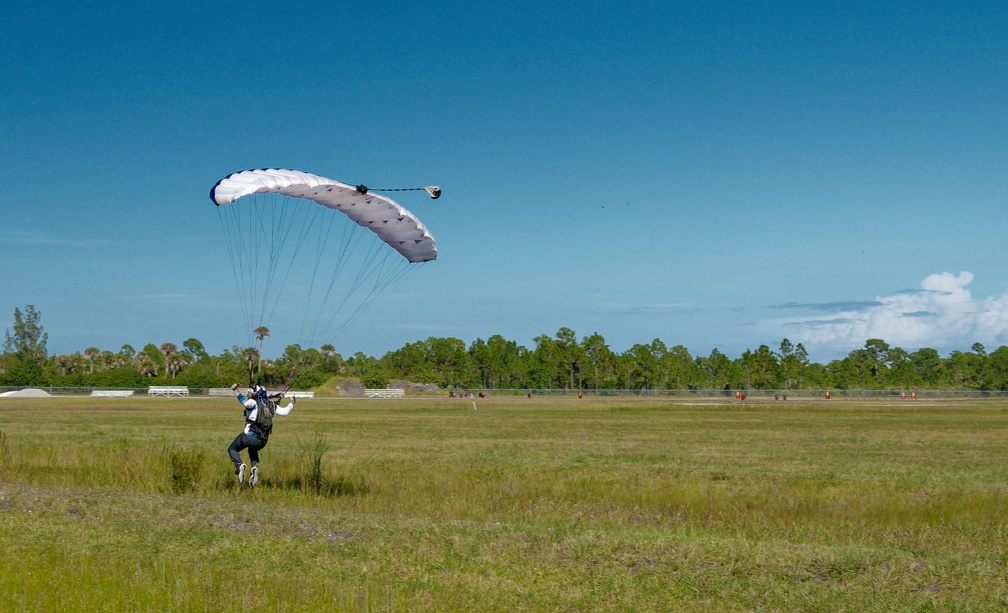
(241, 473)
(254, 477)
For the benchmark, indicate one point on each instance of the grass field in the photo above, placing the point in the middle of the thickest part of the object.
(552, 504)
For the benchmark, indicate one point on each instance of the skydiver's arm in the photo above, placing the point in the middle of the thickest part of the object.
(285, 410)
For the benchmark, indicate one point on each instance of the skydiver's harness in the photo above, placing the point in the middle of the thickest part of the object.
(262, 425)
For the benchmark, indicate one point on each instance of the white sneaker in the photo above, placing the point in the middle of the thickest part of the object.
(254, 477)
(241, 473)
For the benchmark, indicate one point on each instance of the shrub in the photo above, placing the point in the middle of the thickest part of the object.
(308, 380)
(5, 450)
(186, 467)
(314, 479)
(117, 377)
(314, 476)
(375, 380)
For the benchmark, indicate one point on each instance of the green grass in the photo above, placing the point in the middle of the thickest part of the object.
(521, 505)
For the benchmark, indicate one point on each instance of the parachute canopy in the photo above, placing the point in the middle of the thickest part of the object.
(399, 228)
(322, 266)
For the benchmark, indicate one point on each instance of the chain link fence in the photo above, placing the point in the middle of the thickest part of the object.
(804, 394)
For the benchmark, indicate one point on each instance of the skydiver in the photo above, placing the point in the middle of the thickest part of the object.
(255, 436)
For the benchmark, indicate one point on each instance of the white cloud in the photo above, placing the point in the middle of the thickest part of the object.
(32, 238)
(941, 315)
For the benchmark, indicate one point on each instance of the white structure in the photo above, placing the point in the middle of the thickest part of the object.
(175, 391)
(385, 393)
(111, 393)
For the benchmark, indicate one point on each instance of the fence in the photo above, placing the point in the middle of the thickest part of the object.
(126, 392)
(726, 395)
(385, 393)
(730, 395)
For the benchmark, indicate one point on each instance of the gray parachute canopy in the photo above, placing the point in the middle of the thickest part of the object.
(396, 226)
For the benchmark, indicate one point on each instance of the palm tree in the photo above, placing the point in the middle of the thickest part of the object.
(260, 333)
(92, 354)
(63, 362)
(174, 363)
(172, 360)
(168, 349)
(247, 355)
(146, 366)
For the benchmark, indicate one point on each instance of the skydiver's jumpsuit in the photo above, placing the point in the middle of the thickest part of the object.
(248, 438)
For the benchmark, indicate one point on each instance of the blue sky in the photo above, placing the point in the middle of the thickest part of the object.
(716, 175)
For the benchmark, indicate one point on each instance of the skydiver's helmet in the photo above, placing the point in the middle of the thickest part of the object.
(257, 391)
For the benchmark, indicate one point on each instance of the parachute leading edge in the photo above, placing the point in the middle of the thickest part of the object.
(393, 224)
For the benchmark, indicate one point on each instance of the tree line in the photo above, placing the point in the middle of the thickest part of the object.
(560, 361)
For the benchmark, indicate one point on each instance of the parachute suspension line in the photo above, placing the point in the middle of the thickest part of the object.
(385, 271)
(271, 241)
(246, 248)
(244, 260)
(356, 309)
(399, 273)
(251, 237)
(363, 273)
(316, 258)
(325, 232)
(285, 229)
(230, 225)
(347, 271)
(274, 235)
(352, 236)
(255, 241)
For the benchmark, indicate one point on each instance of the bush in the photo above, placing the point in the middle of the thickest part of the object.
(375, 380)
(314, 477)
(186, 468)
(308, 380)
(117, 377)
(199, 376)
(24, 372)
(5, 450)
